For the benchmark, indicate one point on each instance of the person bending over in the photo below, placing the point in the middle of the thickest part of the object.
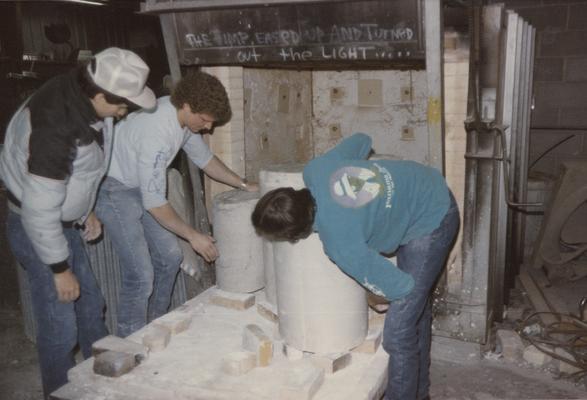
(361, 210)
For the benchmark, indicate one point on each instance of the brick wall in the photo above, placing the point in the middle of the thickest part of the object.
(560, 80)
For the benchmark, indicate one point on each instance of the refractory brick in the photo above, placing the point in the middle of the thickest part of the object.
(256, 341)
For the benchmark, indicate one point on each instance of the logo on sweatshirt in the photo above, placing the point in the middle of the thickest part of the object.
(354, 187)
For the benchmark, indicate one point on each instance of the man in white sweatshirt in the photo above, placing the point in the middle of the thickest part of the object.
(132, 202)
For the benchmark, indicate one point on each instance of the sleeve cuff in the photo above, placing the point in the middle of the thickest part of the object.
(59, 267)
(151, 203)
(205, 164)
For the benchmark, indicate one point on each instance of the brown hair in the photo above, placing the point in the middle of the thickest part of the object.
(204, 93)
(285, 214)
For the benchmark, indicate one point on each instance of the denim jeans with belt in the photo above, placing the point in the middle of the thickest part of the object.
(407, 332)
(60, 326)
(149, 255)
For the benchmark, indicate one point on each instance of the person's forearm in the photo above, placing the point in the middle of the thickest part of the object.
(218, 171)
(202, 243)
(169, 219)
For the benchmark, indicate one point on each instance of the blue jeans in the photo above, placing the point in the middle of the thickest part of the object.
(60, 326)
(407, 333)
(149, 255)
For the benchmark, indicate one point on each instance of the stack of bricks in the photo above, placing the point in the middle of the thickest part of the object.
(236, 301)
(257, 351)
(115, 356)
(307, 370)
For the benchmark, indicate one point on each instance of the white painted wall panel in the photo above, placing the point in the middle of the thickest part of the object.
(340, 115)
(278, 118)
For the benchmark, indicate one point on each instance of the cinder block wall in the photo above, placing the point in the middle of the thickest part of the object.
(560, 80)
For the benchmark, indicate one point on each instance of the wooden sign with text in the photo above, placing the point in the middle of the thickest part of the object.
(381, 32)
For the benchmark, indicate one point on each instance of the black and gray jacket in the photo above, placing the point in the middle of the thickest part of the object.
(52, 163)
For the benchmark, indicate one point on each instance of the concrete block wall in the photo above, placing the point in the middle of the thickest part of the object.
(560, 80)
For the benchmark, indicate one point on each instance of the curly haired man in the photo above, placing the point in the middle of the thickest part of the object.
(132, 201)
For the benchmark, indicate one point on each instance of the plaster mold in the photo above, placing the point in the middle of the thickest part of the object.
(273, 177)
(321, 310)
(239, 267)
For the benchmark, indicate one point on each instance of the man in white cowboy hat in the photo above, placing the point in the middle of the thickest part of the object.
(56, 151)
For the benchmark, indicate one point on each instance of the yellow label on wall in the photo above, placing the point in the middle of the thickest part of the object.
(434, 110)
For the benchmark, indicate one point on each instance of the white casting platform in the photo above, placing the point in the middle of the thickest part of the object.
(190, 367)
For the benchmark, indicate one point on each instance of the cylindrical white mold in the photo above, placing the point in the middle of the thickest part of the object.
(321, 310)
(239, 268)
(273, 177)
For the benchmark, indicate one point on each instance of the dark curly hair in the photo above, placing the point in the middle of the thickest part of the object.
(204, 93)
(285, 214)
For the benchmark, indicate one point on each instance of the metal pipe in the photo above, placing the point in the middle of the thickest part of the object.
(562, 128)
(505, 160)
(509, 198)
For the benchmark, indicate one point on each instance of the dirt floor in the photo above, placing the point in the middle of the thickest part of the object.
(486, 379)
(495, 379)
(19, 376)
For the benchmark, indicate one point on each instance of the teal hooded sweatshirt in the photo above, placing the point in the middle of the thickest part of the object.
(367, 208)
